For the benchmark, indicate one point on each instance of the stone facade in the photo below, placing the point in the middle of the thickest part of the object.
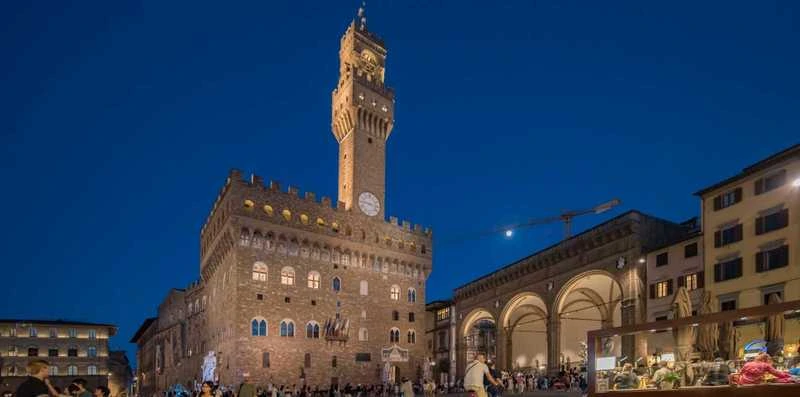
(73, 349)
(592, 280)
(295, 289)
(440, 341)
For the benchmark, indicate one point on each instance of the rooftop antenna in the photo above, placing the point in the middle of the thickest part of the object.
(361, 15)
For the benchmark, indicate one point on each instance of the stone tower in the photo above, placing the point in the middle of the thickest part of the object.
(362, 118)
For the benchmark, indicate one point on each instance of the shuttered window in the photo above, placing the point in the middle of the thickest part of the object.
(774, 221)
(728, 235)
(728, 270)
(770, 182)
(775, 258)
(727, 199)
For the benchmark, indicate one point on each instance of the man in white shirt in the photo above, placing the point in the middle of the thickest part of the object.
(473, 376)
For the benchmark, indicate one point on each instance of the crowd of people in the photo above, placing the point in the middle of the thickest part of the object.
(38, 385)
(484, 380)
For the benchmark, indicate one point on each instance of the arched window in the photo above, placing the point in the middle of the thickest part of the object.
(412, 295)
(313, 279)
(337, 284)
(287, 215)
(287, 328)
(258, 240)
(394, 335)
(260, 270)
(363, 334)
(91, 370)
(412, 336)
(287, 276)
(312, 330)
(72, 370)
(52, 371)
(268, 209)
(244, 237)
(394, 293)
(258, 327)
(363, 287)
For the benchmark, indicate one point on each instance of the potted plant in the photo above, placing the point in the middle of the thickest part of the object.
(670, 381)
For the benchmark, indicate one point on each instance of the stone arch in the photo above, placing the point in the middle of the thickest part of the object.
(479, 334)
(524, 321)
(588, 301)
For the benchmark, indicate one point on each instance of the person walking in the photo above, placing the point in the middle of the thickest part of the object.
(36, 385)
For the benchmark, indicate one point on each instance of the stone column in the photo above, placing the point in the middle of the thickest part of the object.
(553, 344)
(507, 347)
(629, 317)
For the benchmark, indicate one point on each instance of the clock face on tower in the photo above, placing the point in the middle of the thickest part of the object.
(369, 204)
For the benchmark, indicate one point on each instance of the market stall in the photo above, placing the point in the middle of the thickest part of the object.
(730, 353)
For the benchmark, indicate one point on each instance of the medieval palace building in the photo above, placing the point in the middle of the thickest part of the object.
(296, 289)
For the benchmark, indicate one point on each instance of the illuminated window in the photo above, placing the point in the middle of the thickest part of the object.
(260, 270)
(73, 333)
(363, 287)
(313, 279)
(443, 314)
(32, 332)
(72, 370)
(53, 333)
(91, 370)
(287, 276)
(691, 281)
(287, 215)
(53, 370)
(287, 328)
(662, 289)
(93, 333)
(268, 210)
(363, 334)
(249, 204)
(92, 351)
(394, 293)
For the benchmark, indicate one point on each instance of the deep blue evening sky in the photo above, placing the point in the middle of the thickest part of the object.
(121, 121)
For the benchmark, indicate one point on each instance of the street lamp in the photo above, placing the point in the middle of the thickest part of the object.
(796, 182)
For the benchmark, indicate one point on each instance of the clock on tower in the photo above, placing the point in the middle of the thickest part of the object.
(362, 117)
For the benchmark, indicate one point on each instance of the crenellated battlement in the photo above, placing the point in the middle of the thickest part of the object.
(253, 197)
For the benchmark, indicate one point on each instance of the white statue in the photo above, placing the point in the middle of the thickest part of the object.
(208, 367)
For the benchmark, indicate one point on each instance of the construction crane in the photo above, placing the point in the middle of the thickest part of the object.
(565, 216)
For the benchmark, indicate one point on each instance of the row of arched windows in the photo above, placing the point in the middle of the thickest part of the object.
(260, 271)
(292, 247)
(394, 336)
(334, 226)
(286, 328)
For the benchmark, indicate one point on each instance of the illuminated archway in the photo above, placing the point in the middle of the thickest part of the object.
(524, 319)
(480, 334)
(589, 301)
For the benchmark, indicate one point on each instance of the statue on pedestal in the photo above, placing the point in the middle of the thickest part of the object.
(208, 367)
